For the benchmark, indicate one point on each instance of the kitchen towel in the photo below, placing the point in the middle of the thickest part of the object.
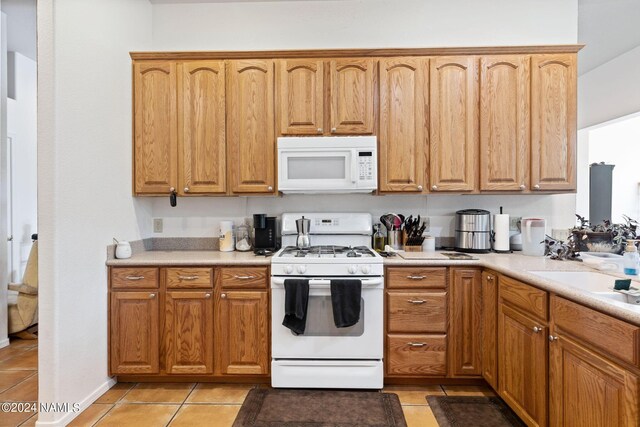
(345, 300)
(296, 300)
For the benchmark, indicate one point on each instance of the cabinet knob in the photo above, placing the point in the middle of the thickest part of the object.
(152, 295)
(172, 189)
(207, 295)
(186, 189)
(537, 329)
(553, 338)
(319, 130)
(537, 186)
(333, 130)
(223, 296)
(489, 277)
(269, 188)
(434, 187)
(522, 186)
(419, 187)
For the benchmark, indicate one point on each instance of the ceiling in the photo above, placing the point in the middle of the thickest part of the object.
(608, 28)
(21, 26)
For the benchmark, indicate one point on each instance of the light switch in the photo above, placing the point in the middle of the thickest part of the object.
(157, 225)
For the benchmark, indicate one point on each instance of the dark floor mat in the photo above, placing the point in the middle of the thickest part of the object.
(464, 411)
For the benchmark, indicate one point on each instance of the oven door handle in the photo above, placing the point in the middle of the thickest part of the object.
(325, 283)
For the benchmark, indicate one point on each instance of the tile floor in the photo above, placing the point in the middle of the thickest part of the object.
(174, 404)
(19, 380)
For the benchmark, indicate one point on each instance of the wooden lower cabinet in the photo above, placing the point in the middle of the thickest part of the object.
(134, 333)
(588, 390)
(416, 355)
(465, 315)
(188, 336)
(523, 367)
(490, 328)
(242, 333)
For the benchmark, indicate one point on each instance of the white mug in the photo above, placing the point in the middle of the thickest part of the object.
(123, 249)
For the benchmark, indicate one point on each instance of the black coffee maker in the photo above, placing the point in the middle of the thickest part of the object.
(265, 240)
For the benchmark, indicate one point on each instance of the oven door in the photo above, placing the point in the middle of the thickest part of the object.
(322, 339)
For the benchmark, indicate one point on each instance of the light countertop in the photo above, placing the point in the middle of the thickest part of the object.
(513, 265)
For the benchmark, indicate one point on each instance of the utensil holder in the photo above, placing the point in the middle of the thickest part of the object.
(394, 239)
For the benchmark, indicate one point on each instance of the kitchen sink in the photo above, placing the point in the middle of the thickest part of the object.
(596, 283)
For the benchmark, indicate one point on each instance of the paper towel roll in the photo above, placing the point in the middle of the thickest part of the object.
(501, 230)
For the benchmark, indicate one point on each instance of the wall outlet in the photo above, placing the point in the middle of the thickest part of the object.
(513, 222)
(157, 225)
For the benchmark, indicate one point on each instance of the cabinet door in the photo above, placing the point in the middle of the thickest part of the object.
(523, 367)
(351, 93)
(134, 333)
(202, 139)
(404, 90)
(587, 390)
(242, 338)
(454, 123)
(504, 122)
(553, 122)
(250, 126)
(300, 96)
(490, 328)
(188, 334)
(155, 121)
(465, 310)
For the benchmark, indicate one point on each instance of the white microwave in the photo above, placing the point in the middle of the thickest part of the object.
(330, 164)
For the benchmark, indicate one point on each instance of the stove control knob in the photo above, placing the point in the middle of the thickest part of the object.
(366, 269)
(353, 269)
(288, 269)
(302, 269)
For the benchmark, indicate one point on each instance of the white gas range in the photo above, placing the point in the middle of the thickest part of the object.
(325, 356)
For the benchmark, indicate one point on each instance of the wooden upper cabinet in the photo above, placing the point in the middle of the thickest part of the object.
(202, 140)
(300, 96)
(588, 390)
(404, 91)
(155, 127)
(454, 123)
(134, 329)
(504, 122)
(188, 332)
(250, 126)
(351, 92)
(465, 311)
(553, 122)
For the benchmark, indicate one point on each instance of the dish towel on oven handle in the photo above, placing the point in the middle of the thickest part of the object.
(296, 301)
(346, 295)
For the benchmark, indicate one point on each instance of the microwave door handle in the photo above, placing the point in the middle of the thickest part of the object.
(354, 166)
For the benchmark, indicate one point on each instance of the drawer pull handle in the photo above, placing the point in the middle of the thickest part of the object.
(134, 277)
(416, 344)
(537, 329)
(416, 301)
(244, 277)
(416, 277)
(152, 295)
(188, 277)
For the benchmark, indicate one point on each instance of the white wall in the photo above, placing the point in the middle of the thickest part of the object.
(360, 23)
(21, 128)
(610, 91)
(4, 267)
(84, 182)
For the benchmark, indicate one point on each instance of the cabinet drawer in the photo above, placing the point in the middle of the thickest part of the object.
(416, 355)
(134, 278)
(244, 277)
(614, 337)
(532, 300)
(189, 278)
(417, 311)
(419, 277)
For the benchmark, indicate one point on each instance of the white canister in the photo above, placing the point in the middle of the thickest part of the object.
(227, 240)
(429, 244)
(123, 249)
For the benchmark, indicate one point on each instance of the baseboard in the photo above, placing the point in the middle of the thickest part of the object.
(4, 342)
(69, 416)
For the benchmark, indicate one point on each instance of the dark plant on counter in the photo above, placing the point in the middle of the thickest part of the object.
(584, 237)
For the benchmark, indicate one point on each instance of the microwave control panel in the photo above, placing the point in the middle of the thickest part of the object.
(365, 165)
